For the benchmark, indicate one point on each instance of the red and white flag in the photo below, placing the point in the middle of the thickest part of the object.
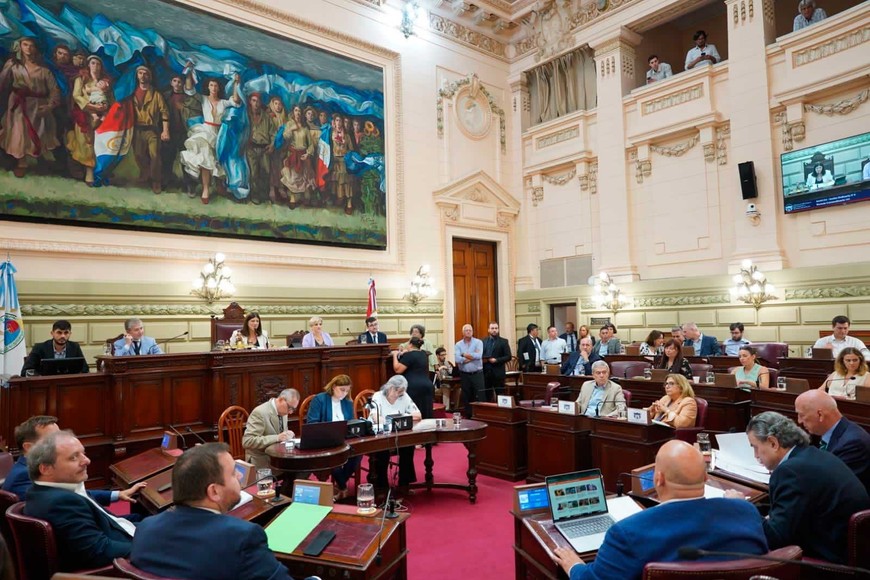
(372, 309)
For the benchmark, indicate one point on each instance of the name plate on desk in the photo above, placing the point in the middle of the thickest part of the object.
(569, 408)
(638, 416)
(506, 401)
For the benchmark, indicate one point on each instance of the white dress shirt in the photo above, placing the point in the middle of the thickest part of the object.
(838, 345)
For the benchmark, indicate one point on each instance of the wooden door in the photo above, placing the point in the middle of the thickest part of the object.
(474, 287)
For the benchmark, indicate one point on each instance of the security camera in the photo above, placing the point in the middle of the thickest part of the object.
(751, 210)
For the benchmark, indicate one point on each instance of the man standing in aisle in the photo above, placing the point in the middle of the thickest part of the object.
(496, 353)
(570, 337)
(469, 359)
(134, 341)
(529, 350)
(553, 348)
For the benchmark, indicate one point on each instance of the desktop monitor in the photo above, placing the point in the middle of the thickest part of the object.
(61, 366)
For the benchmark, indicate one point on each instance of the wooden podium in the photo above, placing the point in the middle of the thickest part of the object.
(503, 453)
(140, 467)
(618, 446)
(557, 443)
(815, 370)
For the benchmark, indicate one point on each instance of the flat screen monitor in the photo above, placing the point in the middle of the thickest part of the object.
(61, 366)
(828, 174)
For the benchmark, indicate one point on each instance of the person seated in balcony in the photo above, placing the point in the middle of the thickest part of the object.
(657, 70)
(850, 372)
(678, 407)
(751, 374)
(808, 15)
(819, 178)
(702, 53)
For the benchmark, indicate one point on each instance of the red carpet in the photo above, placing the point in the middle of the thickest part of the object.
(448, 534)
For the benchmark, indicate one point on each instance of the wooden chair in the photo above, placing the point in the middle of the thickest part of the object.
(303, 411)
(128, 570)
(36, 547)
(222, 327)
(742, 569)
(359, 402)
(512, 365)
(690, 434)
(700, 369)
(233, 419)
(294, 340)
(858, 539)
(7, 500)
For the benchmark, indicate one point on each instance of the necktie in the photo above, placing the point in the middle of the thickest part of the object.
(281, 423)
(823, 445)
(374, 338)
(136, 346)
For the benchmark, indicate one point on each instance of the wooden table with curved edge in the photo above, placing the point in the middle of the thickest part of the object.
(425, 432)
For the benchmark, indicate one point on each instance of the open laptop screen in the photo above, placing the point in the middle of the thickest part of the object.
(576, 494)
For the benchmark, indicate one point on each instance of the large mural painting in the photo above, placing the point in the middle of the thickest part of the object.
(149, 115)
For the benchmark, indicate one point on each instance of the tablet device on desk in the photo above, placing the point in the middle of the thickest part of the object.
(61, 366)
(323, 435)
(725, 380)
(823, 353)
(531, 499)
(313, 492)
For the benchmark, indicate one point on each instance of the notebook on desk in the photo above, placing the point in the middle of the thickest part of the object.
(579, 508)
(323, 435)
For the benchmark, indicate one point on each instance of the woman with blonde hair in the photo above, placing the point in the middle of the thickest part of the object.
(850, 372)
(335, 404)
(316, 335)
(678, 407)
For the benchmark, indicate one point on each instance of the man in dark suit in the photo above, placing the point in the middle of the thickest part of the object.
(496, 353)
(817, 412)
(87, 536)
(529, 350)
(585, 354)
(372, 335)
(182, 543)
(60, 346)
(570, 337)
(703, 345)
(812, 492)
(27, 434)
(681, 519)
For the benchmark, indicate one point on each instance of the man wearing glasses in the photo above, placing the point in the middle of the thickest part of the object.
(267, 424)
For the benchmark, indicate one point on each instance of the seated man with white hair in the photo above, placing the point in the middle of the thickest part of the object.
(601, 396)
(808, 15)
(393, 399)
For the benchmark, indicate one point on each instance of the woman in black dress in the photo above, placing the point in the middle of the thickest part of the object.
(672, 359)
(414, 365)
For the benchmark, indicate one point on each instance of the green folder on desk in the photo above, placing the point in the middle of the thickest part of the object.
(293, 525)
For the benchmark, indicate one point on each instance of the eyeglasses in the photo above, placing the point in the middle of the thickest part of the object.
(672, 383)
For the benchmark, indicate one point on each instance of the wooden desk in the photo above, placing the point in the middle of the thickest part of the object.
(124, 410)
(814, 370)
(783, 402)
(557, 443)
(141, 467)
(503, 453)
(718, 480)
(352, 554)
(469, 433)
(619, 446)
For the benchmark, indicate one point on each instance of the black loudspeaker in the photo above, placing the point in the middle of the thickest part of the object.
(747, 179)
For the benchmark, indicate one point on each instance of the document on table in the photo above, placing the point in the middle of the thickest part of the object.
(736, 456)
(293, 525)
(622, 507)
(711, 492)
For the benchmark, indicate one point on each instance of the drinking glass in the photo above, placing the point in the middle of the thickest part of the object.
(265, 481)
(365, 499)
(621, 349)
(647, 373)
(711, 377)
(704, 443)
(457, 419)
(554, 402)
(781, 384)
(623, 414)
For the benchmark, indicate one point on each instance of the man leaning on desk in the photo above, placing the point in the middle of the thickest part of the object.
(683, 518)
(197, 539)
(134, 341)
(60, 346)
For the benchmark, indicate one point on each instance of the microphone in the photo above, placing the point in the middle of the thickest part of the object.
(598, 408)
(381, 530)
(166, 340)
(692, 553)
(174, 430)
(192, 432)
(620, 486)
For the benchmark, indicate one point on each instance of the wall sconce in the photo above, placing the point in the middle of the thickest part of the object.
(421, 286)
(214, 281)
(751, 285)
(410, 13)
(608, 295)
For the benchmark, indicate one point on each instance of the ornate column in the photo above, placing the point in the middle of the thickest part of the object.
(750, 30)
(614, 60)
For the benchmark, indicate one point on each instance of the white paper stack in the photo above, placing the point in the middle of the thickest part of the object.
(736, 456)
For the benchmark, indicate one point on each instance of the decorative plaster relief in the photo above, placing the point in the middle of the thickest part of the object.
(690, 94)
(642, 167)
(560, 180)
(820, 293)
(641, 302)
(723, 133)
(557, 137)
(590, 179)
(465, 35)
(474, 86)
(843, 107)
(676, 150)
(830, 47)
(534, 307)
(537, 195)
(126, 310)
(791, 132)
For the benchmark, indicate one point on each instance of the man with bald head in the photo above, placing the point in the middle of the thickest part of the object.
(681, 519)
(817, 412)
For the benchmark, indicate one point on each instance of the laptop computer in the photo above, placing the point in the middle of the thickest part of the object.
(323, 435)
(725, 380)
(61, 366)
(823, 353)
(579, 508)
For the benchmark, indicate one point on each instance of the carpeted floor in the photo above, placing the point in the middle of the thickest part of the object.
(448, 537)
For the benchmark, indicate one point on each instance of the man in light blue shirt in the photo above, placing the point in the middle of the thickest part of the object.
(601, 396)
(701, 53)
(469, 358)
(809, 15)
(736, 342)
